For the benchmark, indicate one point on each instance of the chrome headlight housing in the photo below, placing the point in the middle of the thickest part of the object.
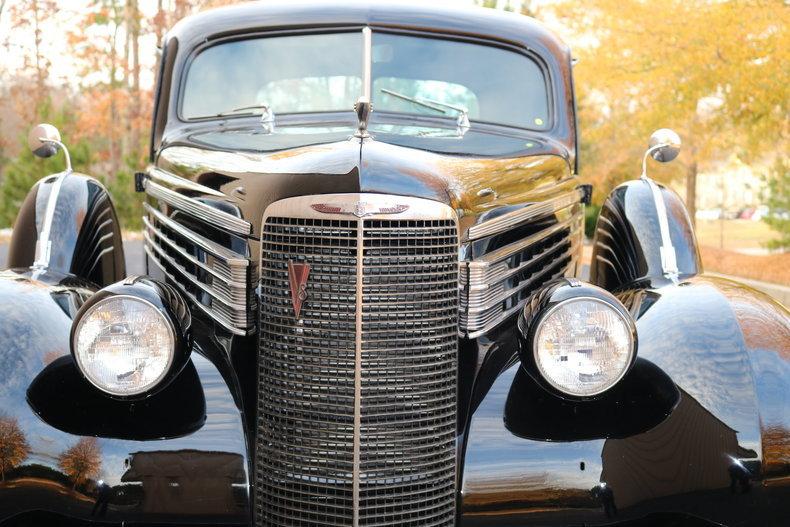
(578, 340)
(131, 338)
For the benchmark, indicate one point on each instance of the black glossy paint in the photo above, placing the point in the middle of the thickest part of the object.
(683, 435)
(626, 247)
(698, 428)
(85, 235)
(179, 456)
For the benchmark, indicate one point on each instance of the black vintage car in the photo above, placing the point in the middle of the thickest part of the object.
(363, 302)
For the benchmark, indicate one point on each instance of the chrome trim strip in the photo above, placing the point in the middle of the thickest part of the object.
(516, 217)
(233, 259)
(169, 178)
(198, 209)
(502, 253)
(44, 244)
(194, 261)
(219, 320)
(215, 295)
(483, 280)
(300, 207)
(358, 370)
(669, 261)
(505, 314)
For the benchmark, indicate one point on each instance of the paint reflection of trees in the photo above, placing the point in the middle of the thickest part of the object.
(13, 445)
(82, 461)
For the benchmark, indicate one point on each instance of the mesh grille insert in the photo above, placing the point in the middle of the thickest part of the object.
(398, 417)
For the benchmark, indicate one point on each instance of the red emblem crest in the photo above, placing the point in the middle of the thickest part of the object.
(297, 276)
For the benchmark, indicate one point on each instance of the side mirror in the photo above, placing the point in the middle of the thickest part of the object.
(664, 145)
(44, 140)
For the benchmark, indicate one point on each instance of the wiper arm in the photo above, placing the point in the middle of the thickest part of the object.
(265, 107)
(463, 114)
(267, 115)
(431, 105)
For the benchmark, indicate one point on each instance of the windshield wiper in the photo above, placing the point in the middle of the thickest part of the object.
(267, 110)
(463, 114)
(267, 115)
(431, 105)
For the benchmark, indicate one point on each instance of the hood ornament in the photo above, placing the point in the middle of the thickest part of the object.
(297, 277)
(360, 209)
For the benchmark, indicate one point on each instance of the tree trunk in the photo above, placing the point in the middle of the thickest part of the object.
(136, 99)
(691, 191)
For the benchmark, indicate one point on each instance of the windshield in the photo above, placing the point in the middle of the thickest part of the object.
(410, 75)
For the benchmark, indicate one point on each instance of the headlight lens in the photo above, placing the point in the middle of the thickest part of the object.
(583, 346)
(124, 345)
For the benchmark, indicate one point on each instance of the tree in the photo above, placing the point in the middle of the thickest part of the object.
(13, 445)
(82, 461)
(714, 71)
(778, 201)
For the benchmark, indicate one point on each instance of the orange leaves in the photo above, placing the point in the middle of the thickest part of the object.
(13, 445)
(82, 461)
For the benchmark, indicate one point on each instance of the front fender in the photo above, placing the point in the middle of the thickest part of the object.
(71, 453)
(699, 428)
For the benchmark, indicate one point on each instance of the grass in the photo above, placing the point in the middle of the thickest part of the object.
(735, 234)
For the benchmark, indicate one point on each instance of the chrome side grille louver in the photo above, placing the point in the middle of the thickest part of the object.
(496, 285)
(357, 398)
(217, 280)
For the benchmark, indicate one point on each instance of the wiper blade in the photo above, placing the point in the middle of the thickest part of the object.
(265, 107)
(462, 122)
(431, 105)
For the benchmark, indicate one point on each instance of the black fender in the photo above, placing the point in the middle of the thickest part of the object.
(177, 457)
(627, 243)
(85, 233)
(699, 428)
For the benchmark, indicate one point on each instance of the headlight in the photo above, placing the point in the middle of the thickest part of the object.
(581, 339)
(126, 340)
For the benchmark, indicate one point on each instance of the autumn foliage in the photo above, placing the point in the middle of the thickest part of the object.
(717, 72)
(82, 461)
(13, 445)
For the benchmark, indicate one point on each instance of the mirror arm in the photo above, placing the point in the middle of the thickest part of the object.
(63, 147)
(647, 153)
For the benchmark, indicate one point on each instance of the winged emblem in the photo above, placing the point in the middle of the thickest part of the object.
(360, 209)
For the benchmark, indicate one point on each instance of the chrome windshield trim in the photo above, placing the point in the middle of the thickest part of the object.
(168, 178)
(200, 210)
(516, 217)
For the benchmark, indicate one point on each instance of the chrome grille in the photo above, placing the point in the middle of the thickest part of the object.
(496, 285)
(357, 399)
(216, 279)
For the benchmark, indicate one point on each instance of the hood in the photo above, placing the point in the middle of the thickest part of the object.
(253, 170)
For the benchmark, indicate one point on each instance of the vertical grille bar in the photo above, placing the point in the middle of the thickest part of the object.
(357, 398)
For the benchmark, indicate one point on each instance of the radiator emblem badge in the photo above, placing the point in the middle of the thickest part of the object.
(360, 209)
(297, 276)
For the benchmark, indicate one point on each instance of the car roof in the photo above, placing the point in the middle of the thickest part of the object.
(438, 17)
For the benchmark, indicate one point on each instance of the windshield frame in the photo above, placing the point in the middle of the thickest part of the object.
(549, 81)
